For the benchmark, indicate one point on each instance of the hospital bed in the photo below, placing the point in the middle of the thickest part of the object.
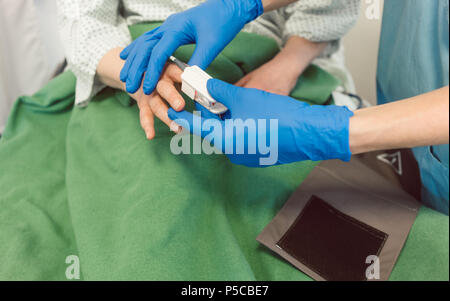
(86, 183)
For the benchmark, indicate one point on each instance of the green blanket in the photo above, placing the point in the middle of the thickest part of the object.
(86, 182)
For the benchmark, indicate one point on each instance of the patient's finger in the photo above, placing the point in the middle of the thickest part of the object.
(127, 65)
(166, 89)
(146, 117)
(186, 119)
(243, 81)
(159, 108)
(125, 52)
(138, 67)
(173, 72)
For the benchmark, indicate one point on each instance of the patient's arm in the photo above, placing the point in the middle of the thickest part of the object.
(280, 74)
(108, 71)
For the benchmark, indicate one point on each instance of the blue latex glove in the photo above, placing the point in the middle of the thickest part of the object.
(305, 132)
(211, 25)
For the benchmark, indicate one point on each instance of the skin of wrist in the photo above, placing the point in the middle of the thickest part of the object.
(109, 67)
(366, 130)
(108, 71)
(357, 133)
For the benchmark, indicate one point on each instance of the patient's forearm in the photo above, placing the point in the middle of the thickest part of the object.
(418, 121)
(297, 54)
(108, 69)
(274, 4)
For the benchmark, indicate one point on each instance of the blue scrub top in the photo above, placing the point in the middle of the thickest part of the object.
(414, 59)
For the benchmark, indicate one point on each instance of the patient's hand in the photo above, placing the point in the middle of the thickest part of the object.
(271, 77)
(108, 71)
(154, 104)
(280, 75)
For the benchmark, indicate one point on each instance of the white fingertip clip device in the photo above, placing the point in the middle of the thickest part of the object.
(194, 81)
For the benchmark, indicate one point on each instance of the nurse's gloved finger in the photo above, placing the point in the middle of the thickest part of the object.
(146, 118)
(204, 112)
(125, 52)
(195, 124)
(159, 108)
(126, 67)
(224, 92)
(153, 34)
(139, 65)
(149, 35)
(164, 48)
(166, 89)
(203, 55)
(186, 120)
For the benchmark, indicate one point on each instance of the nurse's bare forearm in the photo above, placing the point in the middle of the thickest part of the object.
(274, 4)
(418, 121)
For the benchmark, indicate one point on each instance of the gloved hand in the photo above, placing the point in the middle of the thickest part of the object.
(211, 25)
(304, 132)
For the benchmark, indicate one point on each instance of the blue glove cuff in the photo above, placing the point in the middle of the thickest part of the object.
(255, 9)
(322, 133)
(346, 154)
(336, 139)
(340, 145)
